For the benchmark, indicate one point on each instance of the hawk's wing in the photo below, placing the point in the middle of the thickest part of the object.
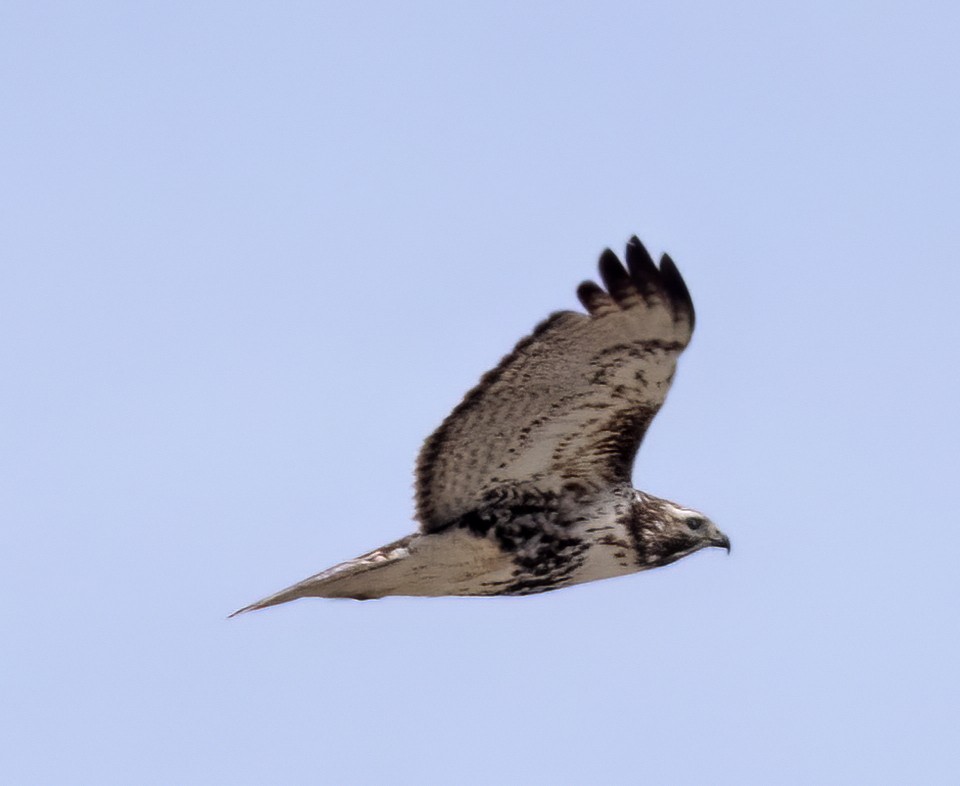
(572, 401)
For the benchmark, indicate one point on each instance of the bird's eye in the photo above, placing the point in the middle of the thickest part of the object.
(695, 523)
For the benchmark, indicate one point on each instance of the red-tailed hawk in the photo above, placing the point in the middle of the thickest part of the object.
(525, 487)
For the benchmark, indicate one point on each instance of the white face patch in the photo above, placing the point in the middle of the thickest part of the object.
(682, 514)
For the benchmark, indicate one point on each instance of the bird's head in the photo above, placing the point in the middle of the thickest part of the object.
(667, 532)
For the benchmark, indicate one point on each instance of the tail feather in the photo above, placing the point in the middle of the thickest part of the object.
(452, 562)
(371, 575)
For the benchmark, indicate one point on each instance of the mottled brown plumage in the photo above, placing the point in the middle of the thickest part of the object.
(525, 486)
(573, 399)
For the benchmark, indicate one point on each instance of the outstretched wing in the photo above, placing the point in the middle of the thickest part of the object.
(573, 400)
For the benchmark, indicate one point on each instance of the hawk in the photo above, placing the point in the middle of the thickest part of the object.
(526, 486)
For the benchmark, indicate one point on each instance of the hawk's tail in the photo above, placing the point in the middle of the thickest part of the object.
(371, 575)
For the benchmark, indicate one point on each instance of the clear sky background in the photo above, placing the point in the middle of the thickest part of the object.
(252, 254)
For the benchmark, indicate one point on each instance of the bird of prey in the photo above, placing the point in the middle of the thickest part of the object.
(525, 487)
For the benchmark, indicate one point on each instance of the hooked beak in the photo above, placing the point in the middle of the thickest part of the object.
(721, 541)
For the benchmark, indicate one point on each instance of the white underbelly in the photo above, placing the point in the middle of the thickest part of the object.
(611, 554)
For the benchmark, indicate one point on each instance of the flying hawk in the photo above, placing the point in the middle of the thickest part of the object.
(525, 487)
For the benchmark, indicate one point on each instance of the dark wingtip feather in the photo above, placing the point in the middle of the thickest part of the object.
(642, 268)
(615, 277)
(592, 296)
(676, 288)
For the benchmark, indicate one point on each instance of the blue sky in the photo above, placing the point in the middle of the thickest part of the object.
(254, 253)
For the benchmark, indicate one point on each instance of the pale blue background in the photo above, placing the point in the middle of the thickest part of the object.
(253, 253)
